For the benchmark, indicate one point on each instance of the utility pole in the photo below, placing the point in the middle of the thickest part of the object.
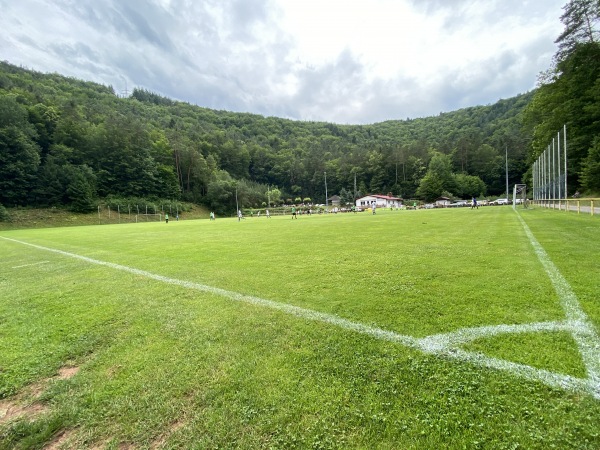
(237, 208)
(326, 199)
(565, 150)
(506, 152)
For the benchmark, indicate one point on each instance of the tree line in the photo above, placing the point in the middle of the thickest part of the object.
(67, 142)
(568, 94)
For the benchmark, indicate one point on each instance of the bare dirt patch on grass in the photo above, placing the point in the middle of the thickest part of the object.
(63, 440)
(26, 403)
(161, 441)
(67, 372)
(11, 410)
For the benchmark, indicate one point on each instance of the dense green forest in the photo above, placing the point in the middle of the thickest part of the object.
(70, 142)
(569, 94)
(67, 142)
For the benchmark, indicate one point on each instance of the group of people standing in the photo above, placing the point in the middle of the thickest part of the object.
(295, 212)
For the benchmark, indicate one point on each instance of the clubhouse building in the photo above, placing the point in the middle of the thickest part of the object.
(381, 201)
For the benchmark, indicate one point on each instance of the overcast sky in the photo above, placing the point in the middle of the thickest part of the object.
(342, 61)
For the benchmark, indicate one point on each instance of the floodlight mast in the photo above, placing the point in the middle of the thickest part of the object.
(558, 166)
(565, 151)
(506, 153)
(237, 208)
(326, 199)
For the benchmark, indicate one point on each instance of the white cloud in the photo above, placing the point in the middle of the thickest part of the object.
(333, 60)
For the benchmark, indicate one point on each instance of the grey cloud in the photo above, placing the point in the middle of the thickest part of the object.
(244, 14)
(72, 51)
(235, 69)
(132, 20)
(26, 40)
(435, 6)
(504, 7)
(398, 99)
(149, 24)
(332, 84)
(82, 11)
(456, 13)
(234, 55)
(501, 76)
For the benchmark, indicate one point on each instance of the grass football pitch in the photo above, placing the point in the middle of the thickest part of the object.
(452, 328)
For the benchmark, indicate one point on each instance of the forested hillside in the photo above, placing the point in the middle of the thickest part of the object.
(69, 142)
(569, 94)
(66, 142)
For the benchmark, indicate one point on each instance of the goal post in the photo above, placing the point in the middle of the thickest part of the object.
(520, 195)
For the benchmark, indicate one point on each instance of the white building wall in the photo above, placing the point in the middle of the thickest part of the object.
(367, 202)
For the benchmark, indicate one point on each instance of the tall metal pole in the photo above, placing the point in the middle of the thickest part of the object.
(533, 179)
(558, 159)
(237, 208)
(565, 150)
(553, 171)
(537, 171)
(547, 163)
(541, 176)
(534, 176)
(506, 152)
(326, 199)
(544, 174)
(549, 170)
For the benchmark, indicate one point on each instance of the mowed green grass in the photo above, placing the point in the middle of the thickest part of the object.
(166, 366)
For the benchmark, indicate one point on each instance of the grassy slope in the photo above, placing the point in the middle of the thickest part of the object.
(169, 366)
(21, 218)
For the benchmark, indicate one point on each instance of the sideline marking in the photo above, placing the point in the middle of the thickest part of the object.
(583, 332)
(28, 265)
(443, 345)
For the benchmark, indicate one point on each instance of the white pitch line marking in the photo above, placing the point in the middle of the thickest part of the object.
(466, 335)
(440, 345)
(29, 265)
(584, 331)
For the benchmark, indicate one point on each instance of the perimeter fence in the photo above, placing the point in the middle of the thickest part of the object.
(578, 205)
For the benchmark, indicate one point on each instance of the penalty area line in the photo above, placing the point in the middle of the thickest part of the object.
(29, 265)
(424, 345)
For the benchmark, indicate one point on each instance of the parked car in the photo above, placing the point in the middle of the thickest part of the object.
(501, 201)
